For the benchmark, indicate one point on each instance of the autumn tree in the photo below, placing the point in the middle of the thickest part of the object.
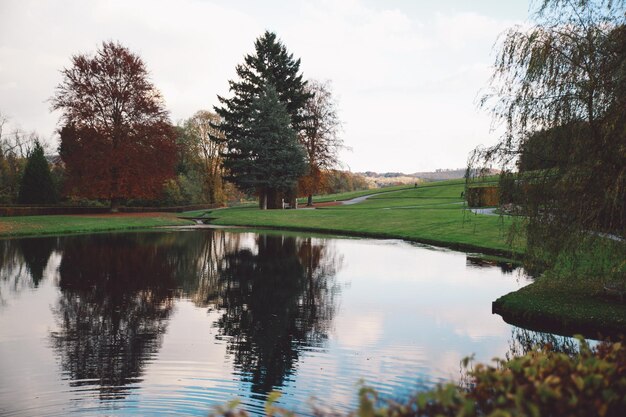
(319, 136)
(116, 139)
(37, 186)
(271, 64)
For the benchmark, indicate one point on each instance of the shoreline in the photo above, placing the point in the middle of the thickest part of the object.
(564, 307)
(459, 246)
(575, 308)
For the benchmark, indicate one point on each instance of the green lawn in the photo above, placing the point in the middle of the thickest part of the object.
(565, 306)
(62, 224)
(432, 213)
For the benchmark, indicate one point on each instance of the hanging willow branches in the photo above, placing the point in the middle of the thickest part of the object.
(559, 91)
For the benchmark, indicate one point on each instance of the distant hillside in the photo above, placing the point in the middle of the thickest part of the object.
(441, 174)
(395, 178)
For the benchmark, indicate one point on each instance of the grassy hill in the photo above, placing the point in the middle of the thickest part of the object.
(433, 213)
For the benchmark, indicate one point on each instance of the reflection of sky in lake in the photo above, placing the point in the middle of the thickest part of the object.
(401, 318)
(408, 316)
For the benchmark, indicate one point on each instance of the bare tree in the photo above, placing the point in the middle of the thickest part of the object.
(3, 121)
(320, 136)
(15, 146)
(16, 142)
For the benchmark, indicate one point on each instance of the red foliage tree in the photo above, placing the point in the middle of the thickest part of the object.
(116, 140)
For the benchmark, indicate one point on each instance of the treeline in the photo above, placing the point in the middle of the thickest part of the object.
(198, 179)
(335, 181)
(21, 177)
(276, 138)
(32, 174)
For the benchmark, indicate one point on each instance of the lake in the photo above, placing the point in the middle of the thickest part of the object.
(179, 321)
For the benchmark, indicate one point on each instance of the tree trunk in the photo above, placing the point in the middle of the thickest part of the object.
(115, 200)
(274, 197)
(115, 204)
(271, 200)
(263, 199)
(261, 193)
(309, 201)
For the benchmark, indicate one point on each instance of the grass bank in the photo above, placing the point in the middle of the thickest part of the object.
(433, 213)
(565, 307)
(570, 297)
(64, 224)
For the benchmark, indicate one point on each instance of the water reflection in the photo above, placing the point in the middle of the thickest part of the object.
(524, 341)
(22, 264)
(506, 267)
(275, 296)
(116, 296)
(177, 321)
(275, 302)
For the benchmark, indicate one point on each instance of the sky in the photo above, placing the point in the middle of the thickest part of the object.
(407, 74)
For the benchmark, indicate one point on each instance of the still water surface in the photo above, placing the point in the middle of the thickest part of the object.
(179, 321)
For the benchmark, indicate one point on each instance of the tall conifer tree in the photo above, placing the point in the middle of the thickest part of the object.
(269, 158)
(271, 64)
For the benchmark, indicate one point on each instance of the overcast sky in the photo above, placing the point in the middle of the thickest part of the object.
(406, 73)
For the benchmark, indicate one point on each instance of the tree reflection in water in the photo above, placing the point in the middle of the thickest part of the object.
(505, 266)
(275, 296)
(22, 263)
(524, 341)
(116, 298)
(275, 302)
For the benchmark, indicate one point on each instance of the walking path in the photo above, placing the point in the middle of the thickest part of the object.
(364, 197)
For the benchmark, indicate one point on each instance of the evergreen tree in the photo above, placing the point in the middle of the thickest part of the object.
(271, 64)
(37, 186)
(266, 157)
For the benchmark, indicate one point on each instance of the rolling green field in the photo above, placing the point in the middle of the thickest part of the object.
(433, 213)
(351, 194)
